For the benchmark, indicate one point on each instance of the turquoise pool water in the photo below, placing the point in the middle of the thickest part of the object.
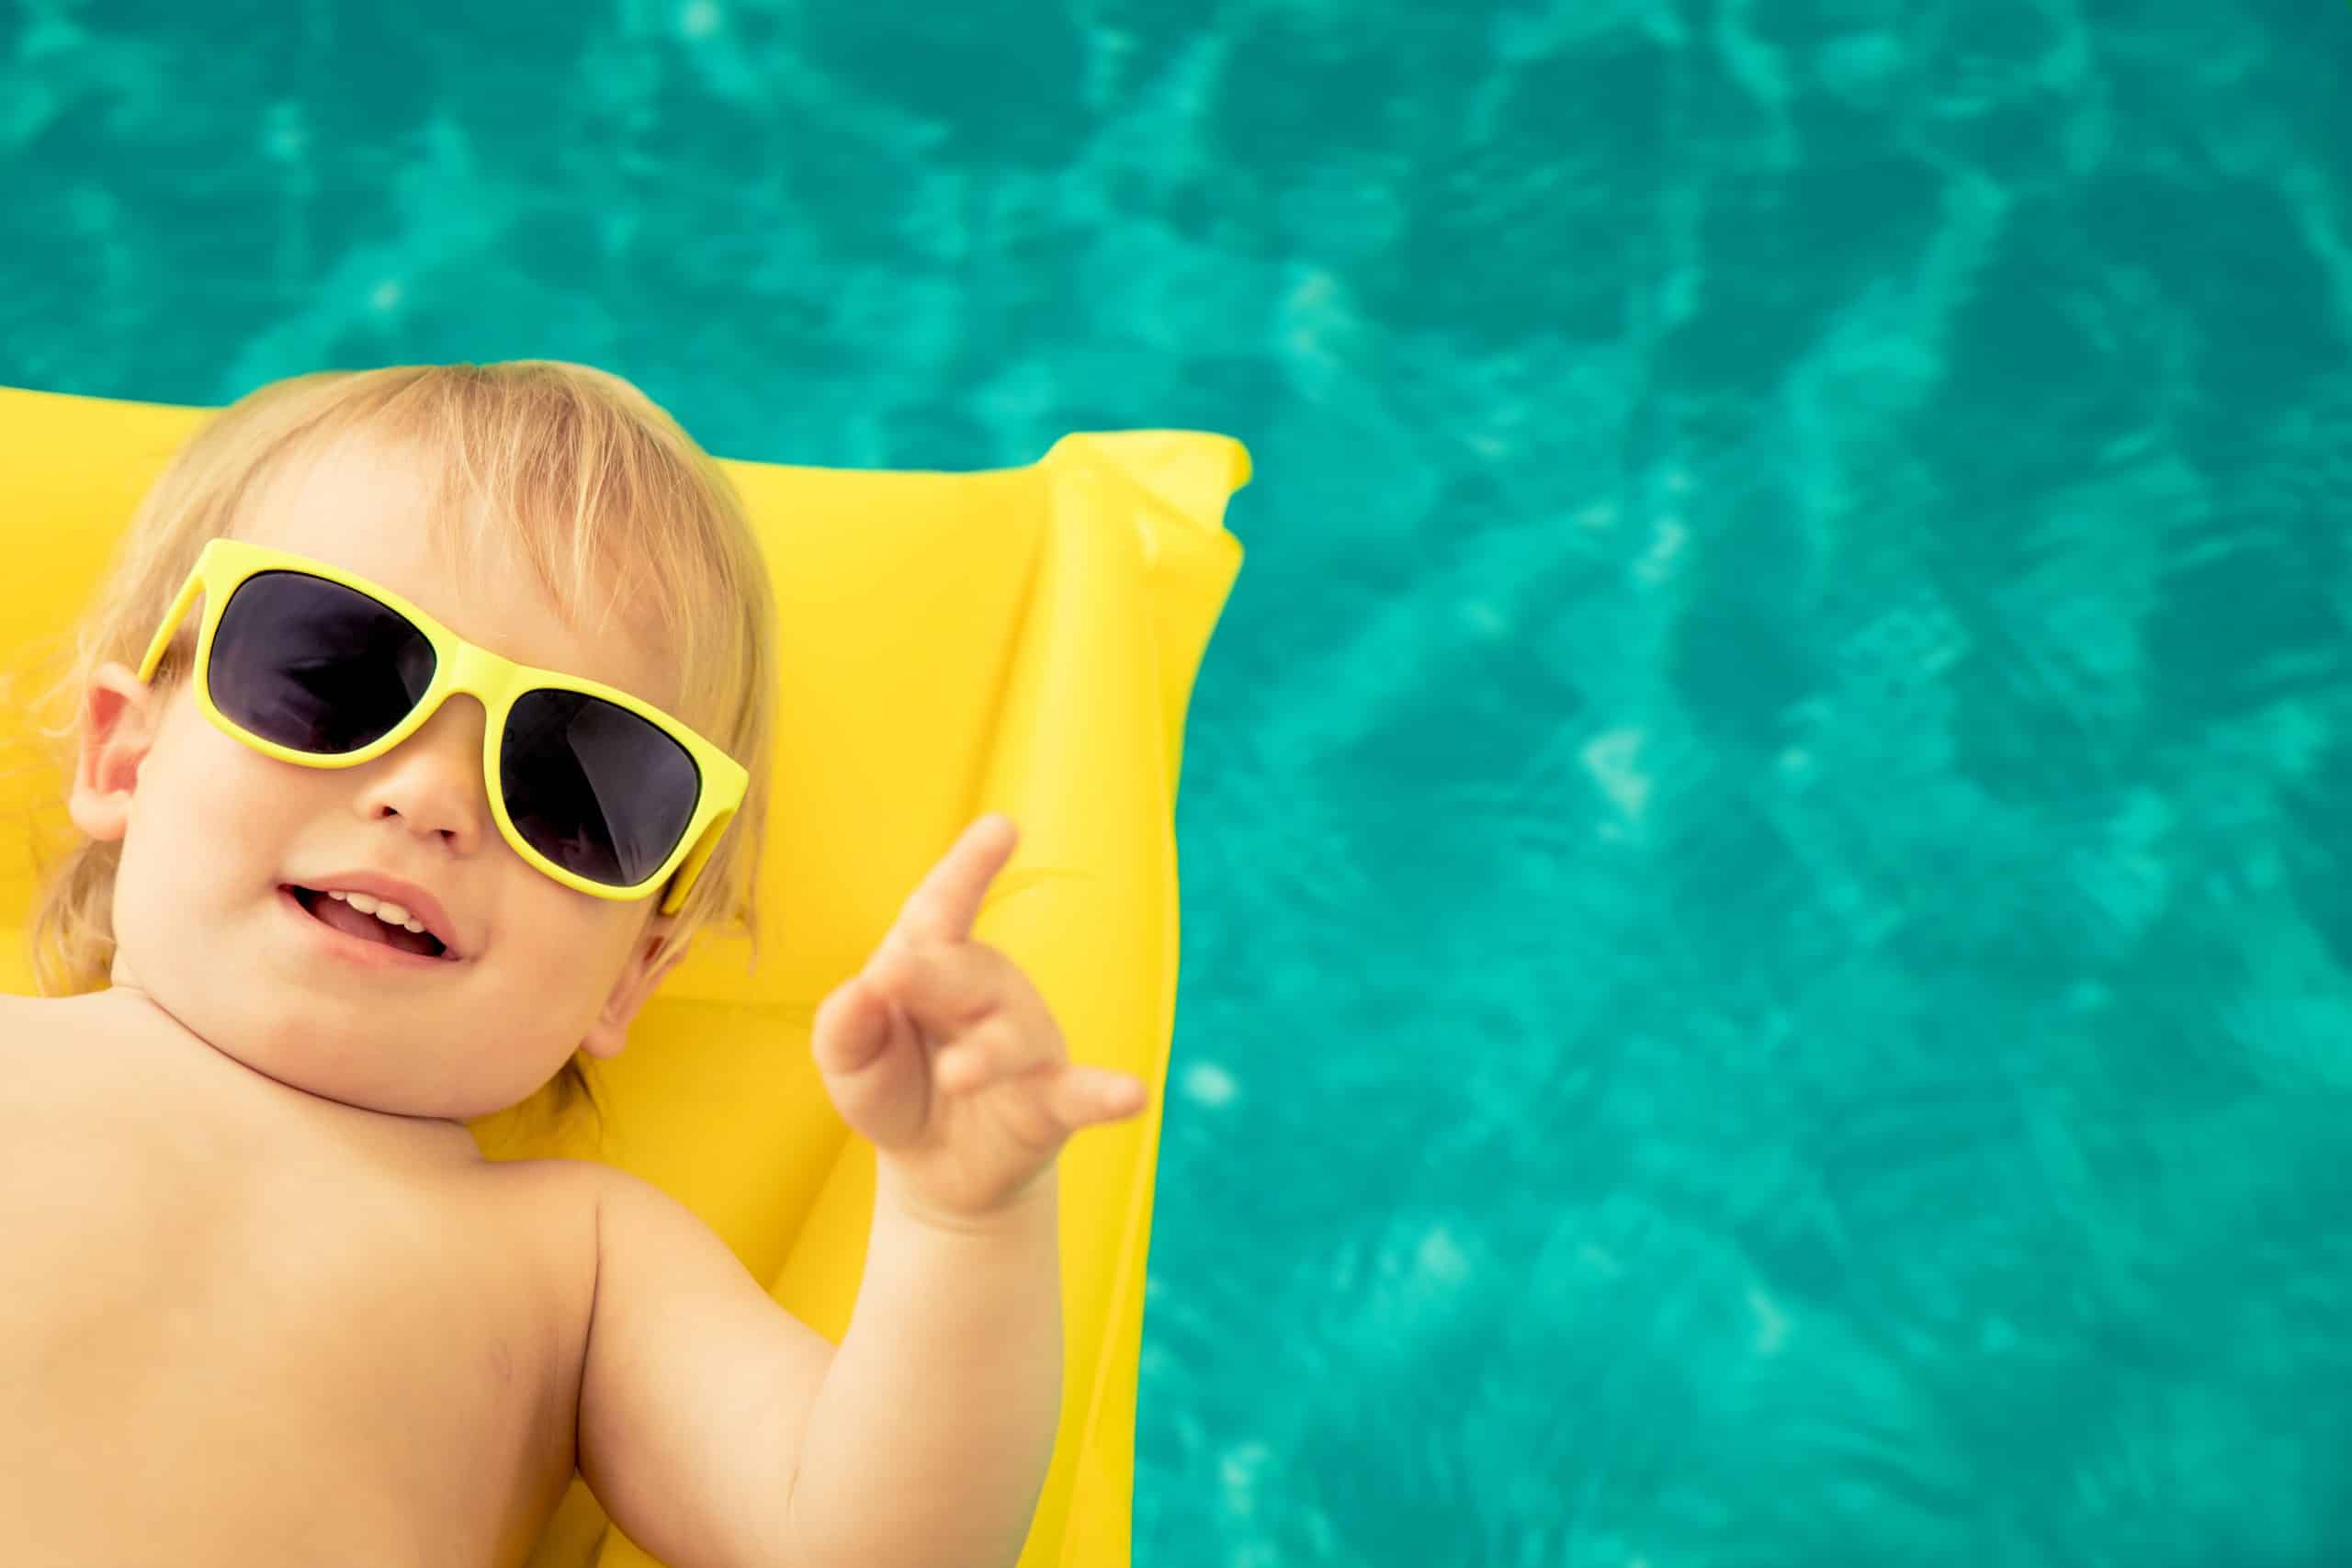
(1768, 870)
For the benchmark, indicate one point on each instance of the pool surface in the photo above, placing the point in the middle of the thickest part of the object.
(1766, 848)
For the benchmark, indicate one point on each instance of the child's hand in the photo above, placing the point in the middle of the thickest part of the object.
(942, 1052)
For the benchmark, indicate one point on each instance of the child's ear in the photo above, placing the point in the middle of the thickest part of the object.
(637, 978)
(120, 714)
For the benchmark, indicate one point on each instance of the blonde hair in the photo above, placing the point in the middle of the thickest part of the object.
(595, 487)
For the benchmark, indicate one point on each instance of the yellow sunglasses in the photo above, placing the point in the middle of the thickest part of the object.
(307, 663)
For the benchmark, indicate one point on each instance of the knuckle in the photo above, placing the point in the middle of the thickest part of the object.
(896, 965)
(1033, 1047)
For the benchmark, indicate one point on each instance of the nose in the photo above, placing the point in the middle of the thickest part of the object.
(432, 783)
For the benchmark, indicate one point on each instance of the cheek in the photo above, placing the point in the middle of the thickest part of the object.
(555, 926)
(206, 808)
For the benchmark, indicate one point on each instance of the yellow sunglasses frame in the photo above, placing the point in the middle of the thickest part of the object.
(458, 666)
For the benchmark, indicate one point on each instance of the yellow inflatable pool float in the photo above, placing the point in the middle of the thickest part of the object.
(1022, 641)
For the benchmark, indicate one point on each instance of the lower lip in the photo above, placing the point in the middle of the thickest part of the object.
(355, 949)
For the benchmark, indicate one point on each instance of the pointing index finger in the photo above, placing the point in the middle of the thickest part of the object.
(946, 903)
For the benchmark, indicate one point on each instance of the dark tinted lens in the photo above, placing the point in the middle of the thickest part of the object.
(593, 787)
(313, 665)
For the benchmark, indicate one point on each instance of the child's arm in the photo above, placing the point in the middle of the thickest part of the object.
(718, 1431)
(934, 1428)
(932, 1433)
(695, 1389)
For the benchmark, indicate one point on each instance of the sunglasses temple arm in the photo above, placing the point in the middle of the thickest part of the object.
(681, 882)
(162, 638)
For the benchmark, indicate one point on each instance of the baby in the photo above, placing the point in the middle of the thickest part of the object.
(422, 724)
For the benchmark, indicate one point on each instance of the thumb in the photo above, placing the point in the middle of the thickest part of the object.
(872, 1062)
(851, 1027)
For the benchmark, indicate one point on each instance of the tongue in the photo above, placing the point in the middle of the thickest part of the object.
(344, 918)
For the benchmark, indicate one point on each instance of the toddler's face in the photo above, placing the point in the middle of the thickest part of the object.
(215, 834)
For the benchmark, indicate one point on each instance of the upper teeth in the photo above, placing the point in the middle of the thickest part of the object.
(384, 909)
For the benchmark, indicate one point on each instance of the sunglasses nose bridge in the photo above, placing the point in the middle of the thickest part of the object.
(481, 674)
(475, 673)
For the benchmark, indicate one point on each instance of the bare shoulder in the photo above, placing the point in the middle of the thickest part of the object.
(24, 1023)
(51, 1041)
(90, 1016)
(535, 1222)
(581, 1189)
(556, 1199)
(23, 1017)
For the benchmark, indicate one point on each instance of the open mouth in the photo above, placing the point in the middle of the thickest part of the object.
(353, 922)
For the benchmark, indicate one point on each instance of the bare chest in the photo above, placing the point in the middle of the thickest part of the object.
(265, 1347)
